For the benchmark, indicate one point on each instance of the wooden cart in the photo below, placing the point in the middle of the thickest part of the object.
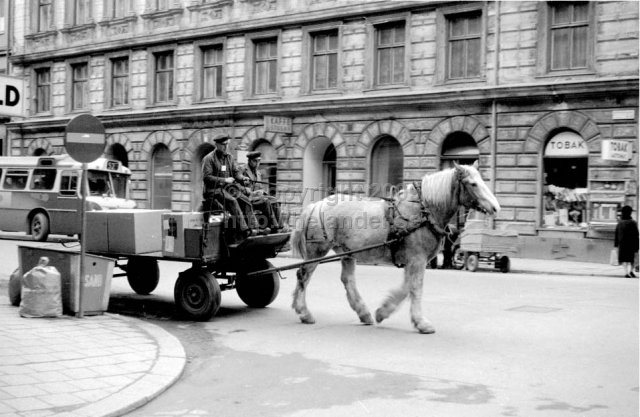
(481, 245)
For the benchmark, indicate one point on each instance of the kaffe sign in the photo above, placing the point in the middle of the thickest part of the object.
(11, 96)
(616, 150)
(84, 139)
(278, 124)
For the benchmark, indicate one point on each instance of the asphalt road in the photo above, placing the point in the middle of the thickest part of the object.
(505, 345)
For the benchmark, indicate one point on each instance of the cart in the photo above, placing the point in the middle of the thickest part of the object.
(215, 267)
(481, 245)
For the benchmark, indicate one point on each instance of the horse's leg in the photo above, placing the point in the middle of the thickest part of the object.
(348, 278)
(299, 294)
(393, 300)
(414, 277)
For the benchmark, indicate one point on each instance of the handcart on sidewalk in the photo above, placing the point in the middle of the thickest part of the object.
(482, 245)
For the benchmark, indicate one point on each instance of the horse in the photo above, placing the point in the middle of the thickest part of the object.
(416, 217)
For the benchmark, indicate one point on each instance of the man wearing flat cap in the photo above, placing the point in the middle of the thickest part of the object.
(266, 205)
(224, 187)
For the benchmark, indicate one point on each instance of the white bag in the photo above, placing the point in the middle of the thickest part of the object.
(41, 294)
(613, 257)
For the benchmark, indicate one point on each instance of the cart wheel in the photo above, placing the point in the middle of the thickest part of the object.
(39, 227)
(260, 290)
(472, 262)
(143, 275)
(458, 258)
(505, 264)
(197, 294)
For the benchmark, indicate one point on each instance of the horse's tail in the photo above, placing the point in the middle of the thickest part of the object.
(298, 235)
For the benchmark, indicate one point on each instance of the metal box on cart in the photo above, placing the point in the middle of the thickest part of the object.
(97, 277)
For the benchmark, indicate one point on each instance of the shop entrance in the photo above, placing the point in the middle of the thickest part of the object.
(319, 176)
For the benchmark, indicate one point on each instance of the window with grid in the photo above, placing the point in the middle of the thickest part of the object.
(464, 46)
(81, 12)
(79, 86)
(569, 29)
(266, 66)
(212, 61)
(390, 53)
(44, 15)
(324, 60)
(43, 90)
(163, 77)
(120, 81)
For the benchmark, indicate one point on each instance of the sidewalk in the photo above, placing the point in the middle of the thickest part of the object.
(96, 366)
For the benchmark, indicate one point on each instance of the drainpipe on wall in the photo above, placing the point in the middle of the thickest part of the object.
(494, 104)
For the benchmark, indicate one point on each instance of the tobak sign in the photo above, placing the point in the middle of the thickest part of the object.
(11, 96)
(616, 150)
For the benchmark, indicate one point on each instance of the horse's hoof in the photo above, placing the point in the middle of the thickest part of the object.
(307, 319)
(426, 328)
(366, 319)
(379, 316)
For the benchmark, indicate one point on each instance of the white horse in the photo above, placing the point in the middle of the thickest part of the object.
(344, 223)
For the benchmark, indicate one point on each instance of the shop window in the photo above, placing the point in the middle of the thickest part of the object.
(161, 178)
(386, 167)
(565, 192)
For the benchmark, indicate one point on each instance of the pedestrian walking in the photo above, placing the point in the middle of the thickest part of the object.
(626, 240)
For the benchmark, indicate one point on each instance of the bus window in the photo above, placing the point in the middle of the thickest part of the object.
(99, 183)
(43, 179)
(16, 179)
(120, 184)
(69, 183)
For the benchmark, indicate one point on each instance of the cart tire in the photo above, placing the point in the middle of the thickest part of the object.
(260, 290)
(458, 258)
(143, 275)
(472, 262)
(505, 264)
(39, 227)
(197, 294)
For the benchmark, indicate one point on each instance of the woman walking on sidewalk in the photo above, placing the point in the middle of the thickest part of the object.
(626, 240)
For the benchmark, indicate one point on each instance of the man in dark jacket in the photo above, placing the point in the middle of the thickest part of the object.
(224, 187)
(260, 199)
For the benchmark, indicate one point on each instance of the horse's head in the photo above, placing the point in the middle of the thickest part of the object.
(473, 192)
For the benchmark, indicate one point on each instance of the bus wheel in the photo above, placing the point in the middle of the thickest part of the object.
(40, 227)
(143, 275)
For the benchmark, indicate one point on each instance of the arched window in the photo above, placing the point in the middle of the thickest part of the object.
(268, 164)
(119, 153)
(566, 163)
(39, 152)
(329, 169)
(458, 147)
(161, 177)
(386, 166)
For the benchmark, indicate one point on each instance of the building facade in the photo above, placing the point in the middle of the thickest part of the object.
(353, 96)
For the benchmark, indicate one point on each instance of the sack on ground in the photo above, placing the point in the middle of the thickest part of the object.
(15, 286)
(613, 258)
(41, 291)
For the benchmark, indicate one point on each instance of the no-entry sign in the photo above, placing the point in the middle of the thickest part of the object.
(84, 138)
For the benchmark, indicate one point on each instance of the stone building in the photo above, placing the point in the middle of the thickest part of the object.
(351, 95)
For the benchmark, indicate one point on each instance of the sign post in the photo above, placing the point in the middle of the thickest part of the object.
(84, 141)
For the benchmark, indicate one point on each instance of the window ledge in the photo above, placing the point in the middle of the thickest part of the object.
(153, 14)
(328, 92)
(210, 101)
(462, 81)
(387, 87)
(211, 5)
(565, 73)
(161, 105)
(563, 229)
(78, 28)
(118, 20)
(271, 97)
(41, 35)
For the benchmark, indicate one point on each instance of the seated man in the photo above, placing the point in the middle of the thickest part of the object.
(220, 175)
(260, 198)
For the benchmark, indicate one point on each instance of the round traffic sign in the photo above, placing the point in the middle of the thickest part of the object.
(84, 138)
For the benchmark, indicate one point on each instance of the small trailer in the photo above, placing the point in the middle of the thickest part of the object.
(482, 245)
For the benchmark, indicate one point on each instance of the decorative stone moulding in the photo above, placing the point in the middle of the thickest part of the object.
(119, 26)
(41, 40)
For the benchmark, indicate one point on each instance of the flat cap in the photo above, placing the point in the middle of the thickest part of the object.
(223, 139)
(254, 155)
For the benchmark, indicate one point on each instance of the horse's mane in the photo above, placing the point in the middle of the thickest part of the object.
(438, 189)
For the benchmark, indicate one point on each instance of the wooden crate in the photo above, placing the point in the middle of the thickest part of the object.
(488, 240)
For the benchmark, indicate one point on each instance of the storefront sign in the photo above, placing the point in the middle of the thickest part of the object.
(278, 124)
(623, 114)
(11, 96)
(616, 150)
(566, 144)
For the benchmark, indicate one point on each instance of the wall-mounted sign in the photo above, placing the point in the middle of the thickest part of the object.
(278, 124)
(616, 150)
(11, 96)
(566, 145)
(623, 114)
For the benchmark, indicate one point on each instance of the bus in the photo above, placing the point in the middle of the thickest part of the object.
(40, 195)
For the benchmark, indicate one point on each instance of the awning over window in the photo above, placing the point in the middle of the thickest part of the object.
(566, 145)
